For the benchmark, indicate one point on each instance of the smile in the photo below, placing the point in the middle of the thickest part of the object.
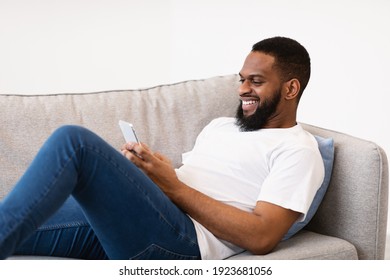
(249, 102)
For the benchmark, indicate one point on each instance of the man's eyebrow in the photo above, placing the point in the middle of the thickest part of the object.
(252, 76)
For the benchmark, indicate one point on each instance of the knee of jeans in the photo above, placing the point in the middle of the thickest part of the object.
(74, 133)
(70, 131)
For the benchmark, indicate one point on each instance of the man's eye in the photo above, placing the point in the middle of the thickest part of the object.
(254, 82)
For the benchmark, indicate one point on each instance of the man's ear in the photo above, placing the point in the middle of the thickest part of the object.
(293, 87)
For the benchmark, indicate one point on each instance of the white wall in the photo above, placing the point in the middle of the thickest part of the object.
(50, 46)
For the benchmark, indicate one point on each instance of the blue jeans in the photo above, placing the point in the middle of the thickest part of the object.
(82, 198)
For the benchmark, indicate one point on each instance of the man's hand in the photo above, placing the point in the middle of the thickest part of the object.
(155, 165)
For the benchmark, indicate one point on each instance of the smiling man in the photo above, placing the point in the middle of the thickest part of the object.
(242, 186)
(269, 69)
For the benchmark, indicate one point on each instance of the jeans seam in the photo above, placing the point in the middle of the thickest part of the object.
(63, 226)
(153, 245)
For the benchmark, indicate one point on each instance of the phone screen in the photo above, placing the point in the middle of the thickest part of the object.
(128, 132)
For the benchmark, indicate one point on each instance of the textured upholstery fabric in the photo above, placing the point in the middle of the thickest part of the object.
(306, 245)
(355, 205)
(169, 117)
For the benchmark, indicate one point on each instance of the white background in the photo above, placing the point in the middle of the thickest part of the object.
(49, 46)
(198, 270)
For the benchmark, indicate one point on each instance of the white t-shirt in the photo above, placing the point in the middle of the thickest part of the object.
(280, 166)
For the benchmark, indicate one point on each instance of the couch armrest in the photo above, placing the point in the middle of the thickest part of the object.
(355, 205)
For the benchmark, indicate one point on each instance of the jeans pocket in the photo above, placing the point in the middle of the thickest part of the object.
(155, 252)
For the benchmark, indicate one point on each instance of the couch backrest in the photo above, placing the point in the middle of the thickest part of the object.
(169, 118)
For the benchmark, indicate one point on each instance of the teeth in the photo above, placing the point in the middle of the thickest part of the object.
(249, 102)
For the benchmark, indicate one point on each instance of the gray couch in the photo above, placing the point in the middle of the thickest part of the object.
(350, 223)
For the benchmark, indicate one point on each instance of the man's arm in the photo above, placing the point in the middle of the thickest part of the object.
(258, 232)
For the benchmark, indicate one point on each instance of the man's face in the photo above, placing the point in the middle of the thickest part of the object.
(260, 92)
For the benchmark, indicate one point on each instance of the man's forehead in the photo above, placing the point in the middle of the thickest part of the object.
(258, 64)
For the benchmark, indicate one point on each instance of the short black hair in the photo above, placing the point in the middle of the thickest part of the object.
(291, 59)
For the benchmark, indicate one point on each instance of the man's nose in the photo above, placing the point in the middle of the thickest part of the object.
(244, 87)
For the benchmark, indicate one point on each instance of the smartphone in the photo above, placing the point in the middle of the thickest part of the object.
(128, 132)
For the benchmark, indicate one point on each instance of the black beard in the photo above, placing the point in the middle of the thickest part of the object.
(260, 117)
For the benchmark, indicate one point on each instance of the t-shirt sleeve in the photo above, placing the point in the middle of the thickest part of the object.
(294, 178)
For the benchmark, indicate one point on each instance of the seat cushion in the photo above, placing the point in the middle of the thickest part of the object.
(307, 245)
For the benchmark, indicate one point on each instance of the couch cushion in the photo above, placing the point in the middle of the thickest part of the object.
(326, 147)
(307, 245)
(304, 245)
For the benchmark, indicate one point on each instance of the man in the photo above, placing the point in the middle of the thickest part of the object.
(240, 193)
